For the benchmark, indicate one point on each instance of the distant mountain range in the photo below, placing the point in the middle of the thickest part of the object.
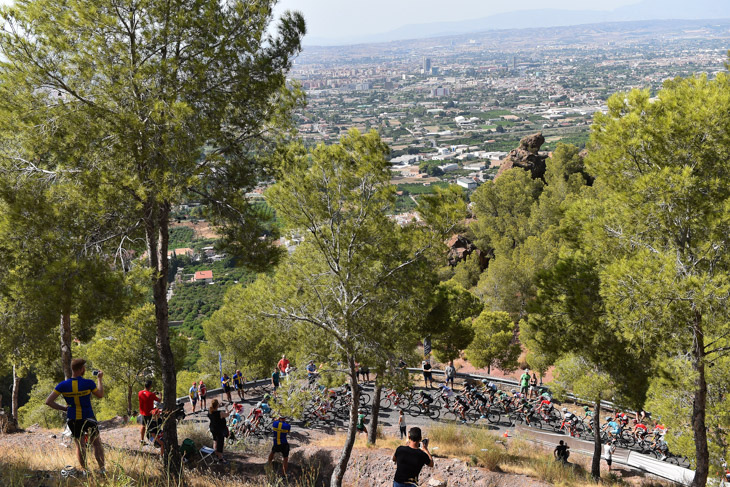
(527, 19)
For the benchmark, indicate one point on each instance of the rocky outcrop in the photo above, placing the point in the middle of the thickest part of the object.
(461, 247)
(527, 157)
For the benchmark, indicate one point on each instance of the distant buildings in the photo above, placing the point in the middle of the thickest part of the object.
(440, 91)
(426, 65)
(203, 276)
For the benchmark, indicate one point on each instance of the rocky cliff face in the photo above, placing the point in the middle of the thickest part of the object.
(527, 157)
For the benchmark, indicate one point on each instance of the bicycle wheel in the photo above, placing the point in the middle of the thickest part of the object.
(364, 398)
(494, 417)
(451, 415)
(434, 413)
(628, 439)
(386, 403)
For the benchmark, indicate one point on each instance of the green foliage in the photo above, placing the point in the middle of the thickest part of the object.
(243, 336)
(467, 272)
(431, 168)
(502, 208)
(35, 410)
(494, 343)
(125, 350)
(181, 237)
(449, 321)
(418, 189)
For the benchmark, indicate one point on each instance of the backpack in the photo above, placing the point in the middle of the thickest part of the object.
(187, 449)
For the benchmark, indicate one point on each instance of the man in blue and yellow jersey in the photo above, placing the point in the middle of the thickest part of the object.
(77, 392)
(280, 428)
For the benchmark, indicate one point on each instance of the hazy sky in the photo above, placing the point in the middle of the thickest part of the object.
(352, 18)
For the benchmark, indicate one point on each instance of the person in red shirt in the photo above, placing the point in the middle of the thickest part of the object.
(147, 400)
(283, 364)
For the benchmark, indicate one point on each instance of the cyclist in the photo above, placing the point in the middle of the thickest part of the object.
(569, 420)
(545, 406)
(640, 431)
(425, 400)
(462, 406)
(612, 428)
(661, 446)
(446, 393)
(238, 381)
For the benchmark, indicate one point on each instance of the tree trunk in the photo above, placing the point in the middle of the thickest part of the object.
(66, 343)
(373, 431)
(129, 400)
(339, 472)
(14, 399)
(596, 464)
(699, 405)
(157, 235)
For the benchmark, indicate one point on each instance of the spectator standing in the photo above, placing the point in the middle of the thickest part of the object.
(365, 371)
(238, 381)
(360, 426)
(410, 459)
(427, 377)
(202, 392)
(608, 449)
(193, 395)
(311, 372)
(81, 420)
(218, 429)
(275, 377)
(533, 386)
(357, 371)
(525, 382)
(449, 372)
(226, 384)
(402, 424)
(283, 364)
(147, 400)
(281, 429)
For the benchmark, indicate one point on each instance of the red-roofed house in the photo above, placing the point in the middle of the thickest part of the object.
(203, 276)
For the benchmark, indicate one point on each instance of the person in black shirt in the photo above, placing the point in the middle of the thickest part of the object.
(410, 459)
(218, 428)
(561, 452)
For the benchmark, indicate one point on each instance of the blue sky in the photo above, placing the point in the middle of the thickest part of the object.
(352, 18)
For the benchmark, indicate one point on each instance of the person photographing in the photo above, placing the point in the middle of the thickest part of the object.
(410, 459)
(81, 420)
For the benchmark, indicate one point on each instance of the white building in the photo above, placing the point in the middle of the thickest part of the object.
(466, 183)
(449, 167)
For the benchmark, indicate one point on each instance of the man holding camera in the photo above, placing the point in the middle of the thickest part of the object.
(147, 400)
(410, 459)
(77, 392)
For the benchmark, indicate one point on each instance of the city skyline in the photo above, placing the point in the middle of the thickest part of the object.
(333, 22)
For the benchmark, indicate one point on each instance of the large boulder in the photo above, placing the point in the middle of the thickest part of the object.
(527, 157)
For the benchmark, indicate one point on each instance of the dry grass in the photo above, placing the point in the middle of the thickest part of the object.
(29, 467)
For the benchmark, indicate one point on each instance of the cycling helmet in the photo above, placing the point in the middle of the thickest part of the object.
(513, 391)
(608, 418)
(266, 398)
(565, 410)
(484, 381)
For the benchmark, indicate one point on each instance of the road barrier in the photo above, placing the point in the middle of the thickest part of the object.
(246, 385)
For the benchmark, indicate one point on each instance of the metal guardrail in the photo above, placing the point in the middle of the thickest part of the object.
(246, 385)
